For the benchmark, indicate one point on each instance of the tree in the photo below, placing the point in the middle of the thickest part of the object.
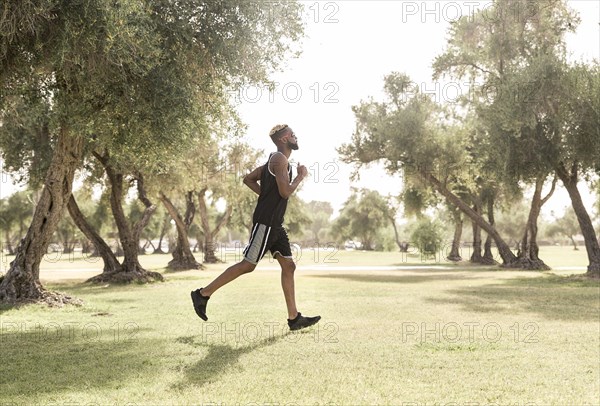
(567, 225)
(411, 134)
(133, 79)
(183, 258)
(21, 282)
(454, 254)
(476, 187)
(297, 217)
(67, 232)
(416, 198)
(360, 219)
(510, 221)
(528, 248)
(597, 187)
(161, 227)
(49, 53)
(101, 248)
(321, 213)
(426, 236)
(244, 209)
(577, 146)
(210, 233)
(129, 233)
(389, 208)
(515, 55)
(223, 169)
(157, 226)
(15, 211)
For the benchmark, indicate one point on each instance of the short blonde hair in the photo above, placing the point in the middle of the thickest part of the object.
(276, 129)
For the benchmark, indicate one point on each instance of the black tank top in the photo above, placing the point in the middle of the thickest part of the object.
(270, 208)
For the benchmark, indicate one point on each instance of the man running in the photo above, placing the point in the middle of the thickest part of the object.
(273, 184)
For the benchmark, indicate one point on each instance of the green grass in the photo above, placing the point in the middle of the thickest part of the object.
(419, 335)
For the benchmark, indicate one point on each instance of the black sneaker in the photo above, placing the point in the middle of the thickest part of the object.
(200, 303)
(302, 322)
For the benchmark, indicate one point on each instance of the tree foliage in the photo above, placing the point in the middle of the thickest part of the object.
(566, 226)
(426, 235)
(320, 215)
(360, 219)
(15, 212)
(539, 114)
(131, 81)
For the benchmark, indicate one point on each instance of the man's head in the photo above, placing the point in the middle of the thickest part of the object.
(282, 135)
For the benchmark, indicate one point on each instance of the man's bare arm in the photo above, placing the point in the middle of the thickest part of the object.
(251, 180)
(279, 166)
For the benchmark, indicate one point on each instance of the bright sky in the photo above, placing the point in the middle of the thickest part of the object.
(351, 46)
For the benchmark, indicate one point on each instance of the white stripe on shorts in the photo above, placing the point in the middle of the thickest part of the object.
(251, 238)
(258, 243)
(265, 243)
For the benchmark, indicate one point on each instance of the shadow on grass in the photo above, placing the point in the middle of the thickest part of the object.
(553, 297)
(7, 307)
(79, 291)
(219, 359)
(427, 276)
(57, 358)
(82, 289)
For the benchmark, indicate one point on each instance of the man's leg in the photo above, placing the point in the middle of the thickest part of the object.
(296, 320)
(287, 283)
(252, 254)
(231, 273)
(200, 296)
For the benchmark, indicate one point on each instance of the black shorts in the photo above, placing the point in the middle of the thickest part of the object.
(263, 238)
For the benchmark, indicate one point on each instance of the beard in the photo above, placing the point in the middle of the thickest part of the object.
(293, 145)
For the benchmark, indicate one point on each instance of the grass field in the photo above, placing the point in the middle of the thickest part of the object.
(395, 330)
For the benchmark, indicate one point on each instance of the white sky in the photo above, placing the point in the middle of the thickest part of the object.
(350, 47)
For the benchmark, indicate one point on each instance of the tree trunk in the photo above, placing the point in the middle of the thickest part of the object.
(529, 250)
(476, 255)
(570, 180)
(68, 247)
(458, 226)
(574, 243)
(210, 235)
(396, 235)
(85, 246)
(149, 244)
(488, 256)
(111, 264)
(9, 247)
(22, 280)
(509, 259)
(182, 254)
(223, 222)
(208, 247)
(163, 231)
(130, 270)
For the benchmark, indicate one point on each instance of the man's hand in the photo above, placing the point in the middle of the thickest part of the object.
(280, 168)
(302, 171)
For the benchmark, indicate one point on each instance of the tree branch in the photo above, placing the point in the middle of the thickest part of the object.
(551, 192)
(190, 209)
(172, 210)
(224, 220)
(203, 211)
(149, 210)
